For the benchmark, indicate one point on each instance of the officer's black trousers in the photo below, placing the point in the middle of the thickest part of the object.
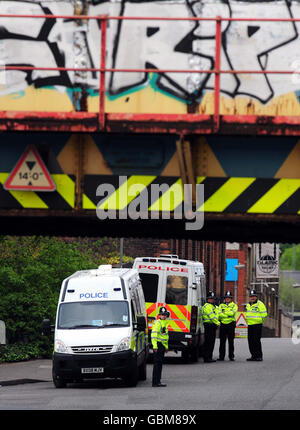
(227, 331)
(209, 340)
(254, 340)
(158, 363)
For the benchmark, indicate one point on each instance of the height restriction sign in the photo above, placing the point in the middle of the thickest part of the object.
(30, 173)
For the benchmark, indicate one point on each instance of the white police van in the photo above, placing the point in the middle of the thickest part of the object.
(180, 286)
(101, 327)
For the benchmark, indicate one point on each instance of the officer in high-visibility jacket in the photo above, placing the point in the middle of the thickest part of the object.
(211, 322)
(256, 313)
(160, 340)
(227, 313)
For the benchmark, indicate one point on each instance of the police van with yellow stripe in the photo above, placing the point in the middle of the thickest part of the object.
(179, 285)
(101, 327)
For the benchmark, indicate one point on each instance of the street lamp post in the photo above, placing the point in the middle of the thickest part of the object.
(293, 299)
(237, 267)
(293, 305)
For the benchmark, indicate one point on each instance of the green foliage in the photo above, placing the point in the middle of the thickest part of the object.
(31, 272)
(284, 246)
(287, 259)
(19, 352)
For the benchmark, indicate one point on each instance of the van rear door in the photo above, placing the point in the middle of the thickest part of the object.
(150, 282)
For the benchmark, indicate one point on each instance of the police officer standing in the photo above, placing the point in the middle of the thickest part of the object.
(210, 322)
(159, 339)
(256, 313)
(227, 312)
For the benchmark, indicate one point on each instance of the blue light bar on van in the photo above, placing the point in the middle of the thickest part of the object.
(117, 289)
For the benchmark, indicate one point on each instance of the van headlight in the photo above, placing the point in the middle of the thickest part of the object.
(61, 348)
(123, 345)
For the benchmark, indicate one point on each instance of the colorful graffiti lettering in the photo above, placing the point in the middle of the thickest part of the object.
(150, 44)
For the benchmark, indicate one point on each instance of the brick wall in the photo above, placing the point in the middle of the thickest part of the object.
(210, 253)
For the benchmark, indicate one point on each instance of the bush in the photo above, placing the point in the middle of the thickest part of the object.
(18, 352)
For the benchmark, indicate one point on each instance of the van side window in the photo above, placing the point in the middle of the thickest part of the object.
(150, 285)
(176, 293)
(199, 292)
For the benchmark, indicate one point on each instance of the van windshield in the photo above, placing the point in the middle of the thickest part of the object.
(176, 293)
(93, 315)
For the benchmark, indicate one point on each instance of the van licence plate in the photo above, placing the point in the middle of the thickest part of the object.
(92, 370)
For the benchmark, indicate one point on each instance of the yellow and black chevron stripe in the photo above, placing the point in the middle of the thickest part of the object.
(63, 198)
(221, 194)
(180, 316)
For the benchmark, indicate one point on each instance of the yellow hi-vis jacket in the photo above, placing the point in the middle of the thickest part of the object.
(256, 313)
(227, 312)
(210, 314)
(160, 333)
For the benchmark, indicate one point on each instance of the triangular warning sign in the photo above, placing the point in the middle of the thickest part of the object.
(241, 321)
(30, 173)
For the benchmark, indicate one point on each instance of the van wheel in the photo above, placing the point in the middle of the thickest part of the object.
(58, 382)
(132, 379)
(185, 356)
(194, 354)
(143, 370)
(150, 357)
